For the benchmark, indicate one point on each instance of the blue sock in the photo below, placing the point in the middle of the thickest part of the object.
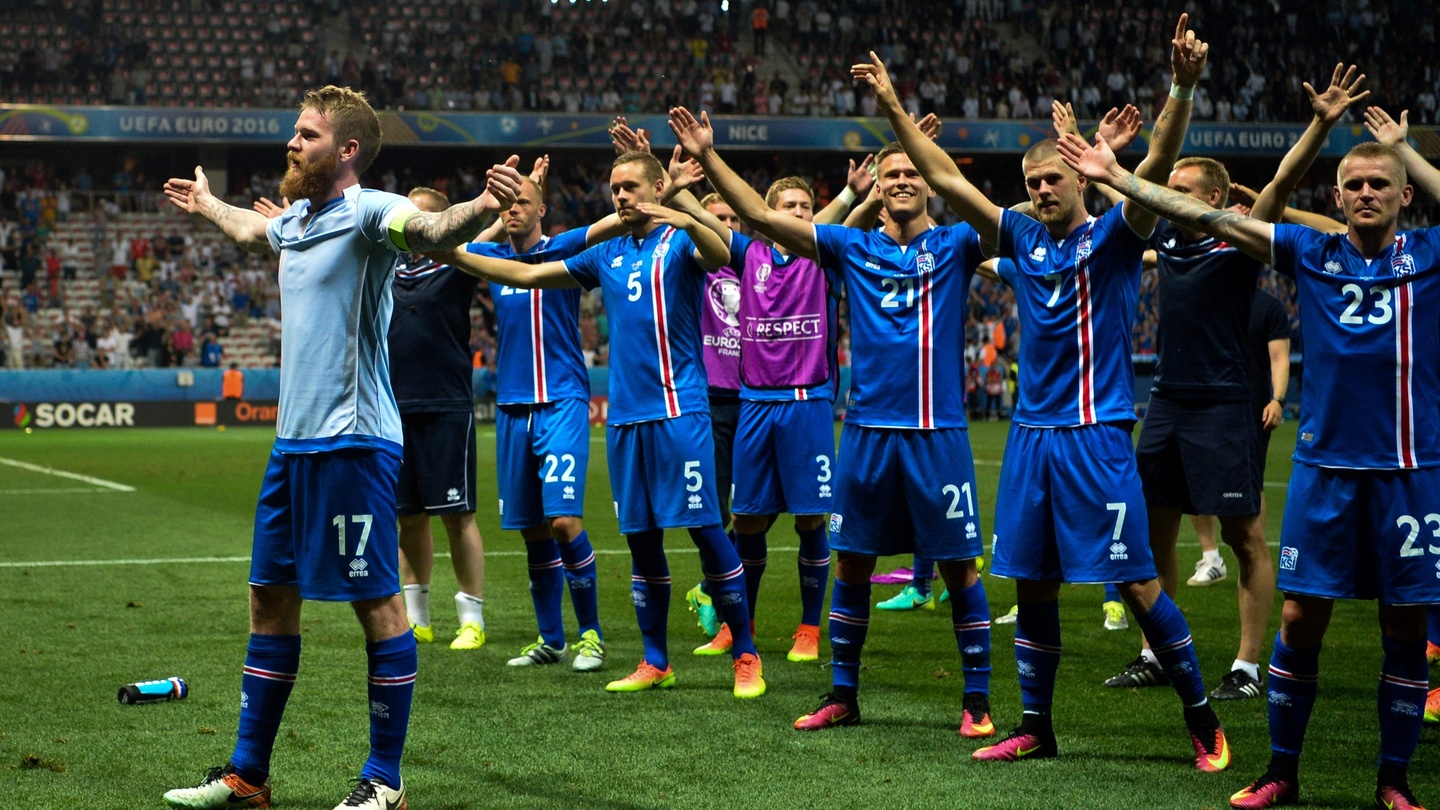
(546, 584)
(1037, 655)
(814, 564)
(734, 541)
(722, 567)
(580, 577)
(849, 621)
(1293, 676)
(1170, 640)
(271, 663)
(924, 572)
(1112, 593)
(650, 590)
(754, 555)
(971, 614)
(1432, 623)
(1403, 684)
(392, 688)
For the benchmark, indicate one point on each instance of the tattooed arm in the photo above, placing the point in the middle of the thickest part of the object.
(459, 224)
(246, 228)
(1097, 162)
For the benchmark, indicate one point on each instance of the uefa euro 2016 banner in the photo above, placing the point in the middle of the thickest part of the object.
(556, 130)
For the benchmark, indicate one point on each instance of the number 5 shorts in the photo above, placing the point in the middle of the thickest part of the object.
(663, 473)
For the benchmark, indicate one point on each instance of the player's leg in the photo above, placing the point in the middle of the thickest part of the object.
(813, 565)
(970, 618)
(1402, 693)
(1210, 568)
(849, 624)
(545, 566)
(804, 442)
(467, 555)
(1245, 535)
(417, 560)
(562, 446)
(724, 421)
(1037, 660)
(582, 581)
(519, 478)
(392, 664)
(759, 497)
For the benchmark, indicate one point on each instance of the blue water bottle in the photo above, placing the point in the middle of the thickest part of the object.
(153, 691)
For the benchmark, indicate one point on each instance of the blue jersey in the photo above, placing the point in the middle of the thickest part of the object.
(336, 266)
(539, 358)
(784, 269)
(653, 289)
(1077, 300)
(1371, 334)
(907, 322)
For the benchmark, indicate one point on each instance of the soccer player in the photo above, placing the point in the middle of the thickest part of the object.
(905, 480)
(542, 428)
(1199, 447)
(1072, 509)
(325, 526)
(1367, 472)
(429, 341)
(661, 457)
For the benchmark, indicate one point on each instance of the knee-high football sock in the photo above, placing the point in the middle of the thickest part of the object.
(1170, 640)
(849, 622)
(580, 577)
(545, 589)
(1037, 657)
(814, 564)
(271, 663)
(970, 613)
(1293, 676)
(722, 567)
(754, 555)
(650, 590)
(392, 688)
(1403, 685)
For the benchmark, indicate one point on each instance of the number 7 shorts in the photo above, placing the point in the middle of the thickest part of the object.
(1362, 534)
(542, 453)
(663, 473)
(326, 523)
(1070, 507)
(904, 491)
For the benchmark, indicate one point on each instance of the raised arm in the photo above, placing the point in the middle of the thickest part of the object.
(246, 228)
(1328, 106)
(1097, 162)
(426, 232)
(1242, 198)
(546, 275)
(711, 249)
(866, 214)
(934, 165)
(697, 138)
(1187, 62)
(858, 182)
(1119, 128)
(1392, 133)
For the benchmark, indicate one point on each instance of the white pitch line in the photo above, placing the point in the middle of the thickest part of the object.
(99, 482)
(54, 491)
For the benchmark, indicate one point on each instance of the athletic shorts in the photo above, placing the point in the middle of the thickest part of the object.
(542, 453)
(787, 450)
(1362, 534)
(1070, 507)
(1200, 458)
(663, 473)
(906, 492)
(724, 417)
(326, 523)
(438, 475)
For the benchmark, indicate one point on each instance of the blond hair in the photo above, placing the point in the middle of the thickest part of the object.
(1214, 172)
(651, 165)
(351, 117)
(772, 195)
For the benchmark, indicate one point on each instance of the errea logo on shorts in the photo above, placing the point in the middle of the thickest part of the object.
(1119, 551)
(836, 519)
(357, 568)
(695, 502)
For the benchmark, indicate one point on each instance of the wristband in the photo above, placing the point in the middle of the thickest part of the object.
(1280, 400)
(847, 197)
(1181, 93)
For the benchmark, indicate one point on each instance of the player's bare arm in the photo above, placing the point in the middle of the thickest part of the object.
(711, 250)
(245, 228)
(458, 224)
(1119, 126)
(934, 165)
(1242, 198)
(1098, 163)
(546, 275)
(866, 214)
(858, 182)
(1329, 106)
(1187, 62)
(685, 173)
(697, 138)
(1393, 133)
(1279, 350)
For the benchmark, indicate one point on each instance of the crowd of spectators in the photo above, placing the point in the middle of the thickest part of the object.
(968, 60)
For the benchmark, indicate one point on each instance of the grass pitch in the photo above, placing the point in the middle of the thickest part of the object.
(101, 587)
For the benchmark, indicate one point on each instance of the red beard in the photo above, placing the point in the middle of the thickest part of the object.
(310, 180)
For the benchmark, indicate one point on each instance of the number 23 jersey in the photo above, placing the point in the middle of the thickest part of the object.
(1370, 334)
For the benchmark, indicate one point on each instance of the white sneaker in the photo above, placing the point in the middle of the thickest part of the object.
(374, 796)
(539, 654)
(1115, 615)
(1207, 574)
(1008, 617)
(221, 788)
(589, 652)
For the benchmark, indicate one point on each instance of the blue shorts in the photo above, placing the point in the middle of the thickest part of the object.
(326, 523)
(906, 492)
(1070, 507)
(1362, 534)
(663, 473)
(542, 453)
(438, 476)
(787, 450)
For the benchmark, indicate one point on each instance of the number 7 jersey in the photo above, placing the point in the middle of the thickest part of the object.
(1371, 337)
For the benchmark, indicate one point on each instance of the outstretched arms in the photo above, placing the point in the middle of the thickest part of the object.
(1328, 106)
(1097, 162)
(246, 228)
(547, 275)
(858, 182)
(458, 224)
(1392, 133)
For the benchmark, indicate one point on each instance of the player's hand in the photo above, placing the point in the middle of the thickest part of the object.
(929, 125)
(268, 209)
(1338, 97)
(679, 220)
(684, 171)
(1187, 54)
(1385, 129)
(875, 75)
(1272, 416)
(695, 135)
(1093, 161)
(1243, 195)
(541, 171)
(1120, 127)
(1062, 116)
(860, 178)
(502, 185)
(626, 139)
(189, 195)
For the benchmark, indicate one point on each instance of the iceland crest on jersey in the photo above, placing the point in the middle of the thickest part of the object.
(925, 262)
